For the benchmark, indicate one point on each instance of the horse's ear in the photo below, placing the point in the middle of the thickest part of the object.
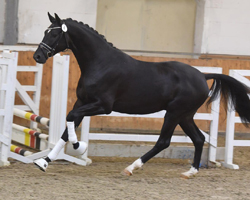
(52, 19)
(58, 20)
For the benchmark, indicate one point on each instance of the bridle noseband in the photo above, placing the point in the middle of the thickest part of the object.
(50, 50)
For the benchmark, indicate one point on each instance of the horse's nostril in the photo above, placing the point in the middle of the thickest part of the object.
(38, 57)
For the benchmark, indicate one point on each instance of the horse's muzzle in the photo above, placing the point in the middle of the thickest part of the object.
(39, 56)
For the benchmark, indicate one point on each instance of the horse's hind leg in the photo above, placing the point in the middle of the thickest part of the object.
(170, 122)
(190, 128)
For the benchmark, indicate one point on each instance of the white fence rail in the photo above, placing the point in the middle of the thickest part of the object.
(211, 138)
(240, 75)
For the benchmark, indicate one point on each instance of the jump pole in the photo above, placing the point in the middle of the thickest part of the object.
(30, 132)
(32, 117)
(19, 150)
(29, 137)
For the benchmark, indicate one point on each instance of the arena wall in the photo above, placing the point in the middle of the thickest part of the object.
(191, 26)
(148, 25)
(2, 14)
(226, 26)
(126, 124)
(33, 19)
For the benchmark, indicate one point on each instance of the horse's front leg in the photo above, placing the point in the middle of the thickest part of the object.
(86, 110)
(74, 119)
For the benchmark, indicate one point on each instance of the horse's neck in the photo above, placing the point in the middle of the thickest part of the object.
(87, 47)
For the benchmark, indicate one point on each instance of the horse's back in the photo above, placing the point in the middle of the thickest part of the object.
(192, 89)
(173, 73)
(150, 87)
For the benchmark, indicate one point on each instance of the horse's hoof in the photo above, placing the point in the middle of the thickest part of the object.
(42, 164)
(189, 174)
(125, 172)
(183, 175)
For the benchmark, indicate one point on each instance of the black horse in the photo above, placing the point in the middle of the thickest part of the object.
(113, 81)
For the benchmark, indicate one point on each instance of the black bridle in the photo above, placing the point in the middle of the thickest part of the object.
(50, 50)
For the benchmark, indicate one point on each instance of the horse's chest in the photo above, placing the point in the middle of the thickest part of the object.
(88, 88)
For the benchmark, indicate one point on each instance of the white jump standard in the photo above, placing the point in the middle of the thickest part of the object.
(58, 106)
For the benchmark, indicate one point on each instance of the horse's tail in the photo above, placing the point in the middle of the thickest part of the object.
(233, 91)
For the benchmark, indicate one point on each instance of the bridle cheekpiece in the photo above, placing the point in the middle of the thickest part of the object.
(50, 50)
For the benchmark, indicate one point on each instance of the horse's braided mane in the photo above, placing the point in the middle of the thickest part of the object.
(93, 30)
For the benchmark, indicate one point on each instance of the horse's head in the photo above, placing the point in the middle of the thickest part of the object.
(54, 40)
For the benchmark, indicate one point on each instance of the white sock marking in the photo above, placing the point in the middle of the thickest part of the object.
(190, 173)
(135, 165)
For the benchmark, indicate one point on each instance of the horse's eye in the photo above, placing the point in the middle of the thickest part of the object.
(53, 33)
(47, 31)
